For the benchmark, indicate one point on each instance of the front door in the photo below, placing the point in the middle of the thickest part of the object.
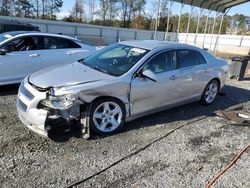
(147, 95)
(22, 59)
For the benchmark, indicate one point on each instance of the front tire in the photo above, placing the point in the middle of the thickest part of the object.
(210, 93)
(107, 116)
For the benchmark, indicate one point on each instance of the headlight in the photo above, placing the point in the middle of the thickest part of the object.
(59, 102)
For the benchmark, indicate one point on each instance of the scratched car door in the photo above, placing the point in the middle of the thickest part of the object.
(147, 95)
(193, 71)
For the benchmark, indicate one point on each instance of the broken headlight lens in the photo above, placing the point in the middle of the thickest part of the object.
(59, 102)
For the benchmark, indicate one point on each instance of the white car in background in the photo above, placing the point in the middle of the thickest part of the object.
(22, 53)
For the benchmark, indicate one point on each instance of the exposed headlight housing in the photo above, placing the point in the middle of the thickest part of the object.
(59, 102)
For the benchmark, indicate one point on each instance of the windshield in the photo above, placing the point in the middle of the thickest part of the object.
(3, 37)
(116, 59)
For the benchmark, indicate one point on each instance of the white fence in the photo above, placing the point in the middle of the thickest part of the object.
(114, 34)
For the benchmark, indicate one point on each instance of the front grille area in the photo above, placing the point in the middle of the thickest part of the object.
(21, 105)
(25, 92)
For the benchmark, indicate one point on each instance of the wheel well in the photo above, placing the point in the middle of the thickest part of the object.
(218, 80)
(85, 106)
(108, 97)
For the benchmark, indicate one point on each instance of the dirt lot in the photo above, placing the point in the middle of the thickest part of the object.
(182, 147)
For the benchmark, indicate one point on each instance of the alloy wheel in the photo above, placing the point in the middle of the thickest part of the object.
(107, 116)
(211, 92)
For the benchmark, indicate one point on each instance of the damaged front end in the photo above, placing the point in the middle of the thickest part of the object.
(56, 113)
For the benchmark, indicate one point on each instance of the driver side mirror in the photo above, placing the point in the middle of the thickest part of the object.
(3, 51)
(149, 75)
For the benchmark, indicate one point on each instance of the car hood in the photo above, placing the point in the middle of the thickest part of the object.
(66, 75)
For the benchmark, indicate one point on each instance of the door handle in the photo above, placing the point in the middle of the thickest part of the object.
(205, 70)
(34, 55)
(173, 77)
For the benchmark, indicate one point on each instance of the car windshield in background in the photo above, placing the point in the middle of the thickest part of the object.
(4, 37)
(116, 59)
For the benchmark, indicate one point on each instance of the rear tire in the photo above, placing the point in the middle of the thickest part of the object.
(106, 116)
(210, 92)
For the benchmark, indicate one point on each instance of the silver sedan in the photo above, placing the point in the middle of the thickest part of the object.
(119, 83)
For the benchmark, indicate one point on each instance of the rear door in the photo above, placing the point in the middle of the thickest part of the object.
(22, 59)
(193, 72)
(57, 50)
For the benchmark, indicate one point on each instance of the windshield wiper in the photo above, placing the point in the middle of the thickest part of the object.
(101, 70)
(81, 60)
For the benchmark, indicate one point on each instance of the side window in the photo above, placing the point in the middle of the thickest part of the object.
(22, 44)
(52, 43)
(70, 44)
(187, 58)
(201, 58)
(59, 43)
(163, 62)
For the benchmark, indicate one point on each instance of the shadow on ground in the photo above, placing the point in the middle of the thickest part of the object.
(9, 89)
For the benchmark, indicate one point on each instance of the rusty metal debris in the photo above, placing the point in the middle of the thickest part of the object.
(242, 118)
(211, 182)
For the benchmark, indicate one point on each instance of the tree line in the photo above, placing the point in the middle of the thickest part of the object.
(44, 9)
(138, 14)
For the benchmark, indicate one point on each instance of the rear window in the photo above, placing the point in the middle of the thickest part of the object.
(71, 44)
(59, 43)
(188, 58)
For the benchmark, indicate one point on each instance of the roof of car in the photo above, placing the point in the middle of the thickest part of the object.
(14, 33)
(13, 22)
(24, 33)
(152, 44)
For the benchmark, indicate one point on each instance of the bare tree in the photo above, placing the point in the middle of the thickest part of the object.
(54, 7)
(91, 4)
(130, 9)
(5, 7)
(43, 8)
(104, 7)
(24, 8)
(78, 11)
(113, 9)
(36, 7)
(149, 15)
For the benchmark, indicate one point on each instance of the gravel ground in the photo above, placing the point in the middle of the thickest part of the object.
(181, 147)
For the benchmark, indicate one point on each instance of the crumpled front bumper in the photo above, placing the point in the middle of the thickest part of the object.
(27, 101)
(36, 126)
(42, 120)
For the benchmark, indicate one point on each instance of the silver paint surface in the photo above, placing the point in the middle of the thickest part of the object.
(140, 95)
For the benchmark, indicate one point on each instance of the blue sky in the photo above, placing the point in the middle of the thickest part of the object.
(243, 8)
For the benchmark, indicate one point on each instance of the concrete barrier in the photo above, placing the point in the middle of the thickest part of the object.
(234, 44)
